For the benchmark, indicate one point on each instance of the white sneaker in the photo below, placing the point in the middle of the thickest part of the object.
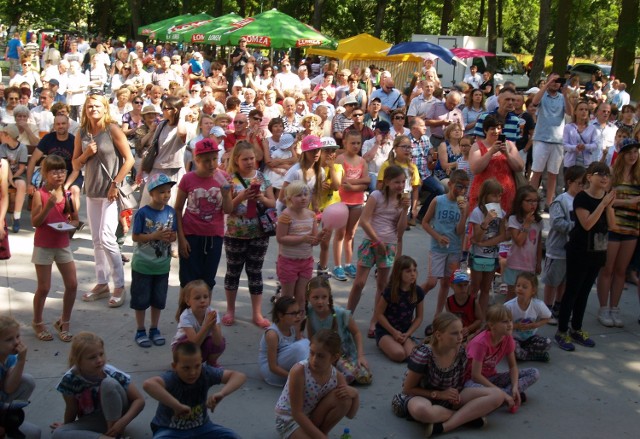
(615, 317)
(604, 317)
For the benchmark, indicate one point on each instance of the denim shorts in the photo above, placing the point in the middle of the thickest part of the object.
(148, 290)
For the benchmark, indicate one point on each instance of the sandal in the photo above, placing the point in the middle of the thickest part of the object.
(65, 336)
(98, 292)
(115, 301)
(228, 319)
(156, 337)
(262, 323)
(43, 335)
(142, 340)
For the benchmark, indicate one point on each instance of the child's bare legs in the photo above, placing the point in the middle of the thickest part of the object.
(483, 280)
(43, 274)
(299, 292)
(324, 250)
(621, 257)
(443, 292)
(395, 350)
(350, 230)
(477, 402)
(229, 316)
(21, 192)
(256, 311)
(329, 411)
(338, 240)
(68, 273)
(382, 279)
(362, 273)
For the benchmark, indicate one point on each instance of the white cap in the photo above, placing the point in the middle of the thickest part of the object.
(532, 90)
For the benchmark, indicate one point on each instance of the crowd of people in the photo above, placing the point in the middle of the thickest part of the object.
(224, 156)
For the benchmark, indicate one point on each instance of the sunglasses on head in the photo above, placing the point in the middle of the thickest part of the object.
(95, 92)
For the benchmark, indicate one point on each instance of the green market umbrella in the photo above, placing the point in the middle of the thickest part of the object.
(160, 29)
(270, 29)
(196, 34)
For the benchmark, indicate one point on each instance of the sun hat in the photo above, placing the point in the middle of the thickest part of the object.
(158, 180)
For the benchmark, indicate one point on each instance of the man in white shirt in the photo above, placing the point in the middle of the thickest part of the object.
(474, 79)
(286, 80)
(303, 74)
(164, 75)
(139, 77)
(622, 97)
(73, 54)
(421, 104)
(42, 113)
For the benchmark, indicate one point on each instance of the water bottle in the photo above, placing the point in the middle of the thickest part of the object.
(346, 434)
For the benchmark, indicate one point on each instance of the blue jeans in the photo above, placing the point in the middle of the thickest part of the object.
(374, 181)
(432, 185)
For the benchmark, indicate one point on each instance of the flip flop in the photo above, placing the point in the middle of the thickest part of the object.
(142, 340)
(263, 323)
(156, 337)
(228, 319)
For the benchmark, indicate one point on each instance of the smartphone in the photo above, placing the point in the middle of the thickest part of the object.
(502, 138)
(561, 81)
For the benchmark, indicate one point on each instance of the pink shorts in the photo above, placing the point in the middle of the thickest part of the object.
(290, 270)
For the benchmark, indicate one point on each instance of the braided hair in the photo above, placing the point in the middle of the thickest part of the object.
(321, 282)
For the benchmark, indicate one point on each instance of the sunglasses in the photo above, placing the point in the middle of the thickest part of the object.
(167, 108)
(357, 114)
(138, 102)
(95, 92)
(398, 117)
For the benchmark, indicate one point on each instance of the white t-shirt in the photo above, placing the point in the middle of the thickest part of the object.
(493, 229)
(294, 174)
(537, 310)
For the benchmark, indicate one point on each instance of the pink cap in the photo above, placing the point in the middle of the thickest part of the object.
(310, 143)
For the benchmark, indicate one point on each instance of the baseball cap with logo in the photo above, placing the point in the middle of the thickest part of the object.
(158, 180)
(206, 145)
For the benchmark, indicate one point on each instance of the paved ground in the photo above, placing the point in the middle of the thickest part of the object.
(591, 393)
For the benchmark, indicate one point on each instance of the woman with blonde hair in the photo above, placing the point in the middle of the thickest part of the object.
(102, 149)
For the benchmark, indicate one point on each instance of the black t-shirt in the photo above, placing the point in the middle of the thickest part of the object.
(484, 85)
(529, 124)
(592, 244)
(50, 145)
(241, 62)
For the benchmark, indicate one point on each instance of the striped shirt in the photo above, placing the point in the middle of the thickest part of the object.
(627, 217)
(511, 128)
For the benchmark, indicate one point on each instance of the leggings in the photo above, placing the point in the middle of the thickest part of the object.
(113, 403)
(532, 348)
(526, 378)
(241, 252)
(581, 275)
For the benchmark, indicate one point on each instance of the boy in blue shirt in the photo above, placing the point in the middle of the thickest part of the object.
(154, 229)
(445, 222)
(182, 396)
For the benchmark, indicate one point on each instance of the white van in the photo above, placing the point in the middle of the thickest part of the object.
(507, 68)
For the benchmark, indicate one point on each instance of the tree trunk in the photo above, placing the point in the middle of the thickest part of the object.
(103, 17)
(500, 3)
(625, 42)
(542, 41)
(242, 8)
(479, 32)
(492, 45)
(136, 20)
(217, 8)
(382, 6)
(317, 13)
(448, 7)
(560, 51)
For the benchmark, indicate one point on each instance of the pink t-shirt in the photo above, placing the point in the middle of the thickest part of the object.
(45, 236)
(352, 172)
(481, 349)
(203, 215)
(524, 258)
(385, 217)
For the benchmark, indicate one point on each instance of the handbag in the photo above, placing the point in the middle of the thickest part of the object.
(5, 251)
(150, 157)
(268, 217)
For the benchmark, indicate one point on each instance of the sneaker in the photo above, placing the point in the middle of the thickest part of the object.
(615, 316)
(582, 337)
(338, 274)
(544, 357)
(16, 226)
(322, 272)
(564, 341)
(604, 317)
(350, 271)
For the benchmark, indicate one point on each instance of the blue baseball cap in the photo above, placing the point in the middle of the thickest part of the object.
(159, 180)
(459, 277)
